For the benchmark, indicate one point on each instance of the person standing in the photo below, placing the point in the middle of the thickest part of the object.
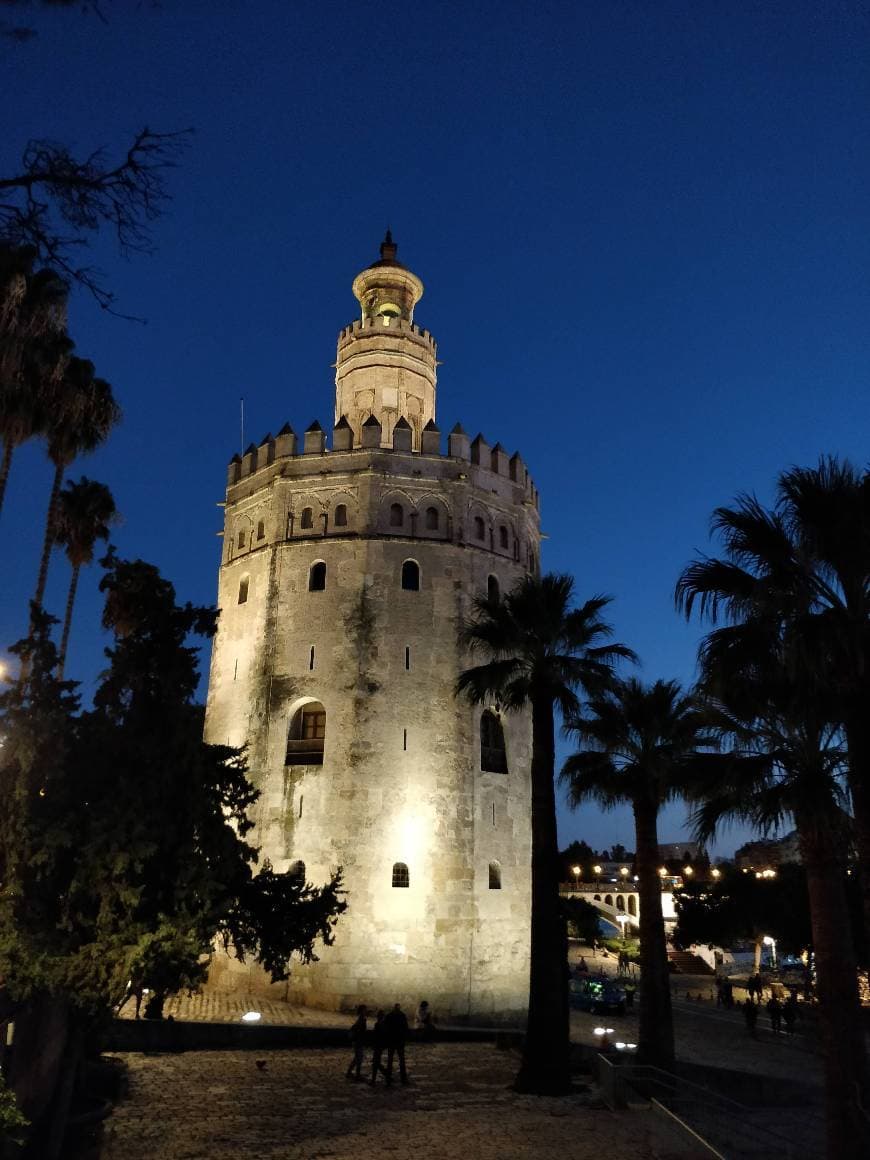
(395, 1036)
(790, 1013)
(750, 1014)
(358, 1039)
(774, 1010)
(425, 1024)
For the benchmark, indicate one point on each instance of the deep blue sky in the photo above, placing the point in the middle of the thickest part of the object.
(643, 230)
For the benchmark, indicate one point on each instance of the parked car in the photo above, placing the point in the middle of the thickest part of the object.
(596, 993)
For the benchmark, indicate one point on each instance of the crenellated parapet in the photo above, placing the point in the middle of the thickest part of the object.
(260, 462)
(367, 327)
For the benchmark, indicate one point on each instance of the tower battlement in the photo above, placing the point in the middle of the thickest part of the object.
(362, 326)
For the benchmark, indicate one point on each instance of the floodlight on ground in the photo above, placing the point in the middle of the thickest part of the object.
(251, 1017)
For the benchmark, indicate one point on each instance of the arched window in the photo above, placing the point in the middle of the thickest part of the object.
(432, 519)
(479, 528)
(502, 537)
(243, 589)
(397, 515)
(241, 538)
(608, 900)
(317, 577)
(306, 735)
(401, 876)
(493, 592)
(261, 530)
(493, 758)
(307, 520)
(494, 876)
(632, 905)
(296, 871)
(411, 576)
(620, 902)
(340, 520)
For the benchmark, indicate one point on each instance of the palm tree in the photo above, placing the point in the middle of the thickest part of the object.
(540, 651)
(86, 510)
(85, 414)
(641, 745)
(787, 762)
(34, 348)
(803, 567)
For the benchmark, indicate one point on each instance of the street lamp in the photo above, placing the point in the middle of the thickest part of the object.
(576, 871)
(623, 920)
(716, 873)
(623, 870)
(688, 871)
(596, 870)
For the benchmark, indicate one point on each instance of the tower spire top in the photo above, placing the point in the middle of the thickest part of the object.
(388, 247)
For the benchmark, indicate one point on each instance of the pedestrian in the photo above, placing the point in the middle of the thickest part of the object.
(358, 1039)
(424, 1022)
(720, 987)
(750, 1014)
(395, 1035)
(790, 1013)
(378, 1045)
(774, 1010)
(583, 966)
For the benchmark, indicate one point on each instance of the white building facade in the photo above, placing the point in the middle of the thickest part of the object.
(346, 572)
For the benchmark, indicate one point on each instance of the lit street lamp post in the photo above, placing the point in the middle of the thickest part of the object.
(576, 871)
(596, 870)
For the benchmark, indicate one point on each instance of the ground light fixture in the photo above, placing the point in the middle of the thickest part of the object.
(251, 1017)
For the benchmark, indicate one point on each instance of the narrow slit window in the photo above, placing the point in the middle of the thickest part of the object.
(407, 657)
(401, 876)
(397, 515)
(236, 669)
(243, 589)
(307, 520)
(301, 800)
(493, 813)
(241, 538)
(404, 740)
(479, 528)
(340, 520)
(494, 876)
(261, 530)
(311, 660)
(503, 537)
(432, 519)
(317, 577)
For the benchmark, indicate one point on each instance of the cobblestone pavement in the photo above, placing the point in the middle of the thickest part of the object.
(299, 1106)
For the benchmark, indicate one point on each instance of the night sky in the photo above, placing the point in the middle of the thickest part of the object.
(642, 227)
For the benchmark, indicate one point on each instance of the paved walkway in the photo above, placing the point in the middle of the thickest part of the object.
(299, 1106)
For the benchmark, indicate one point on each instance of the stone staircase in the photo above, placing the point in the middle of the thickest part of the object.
(682, 963)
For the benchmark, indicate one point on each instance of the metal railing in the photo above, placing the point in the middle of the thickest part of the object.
(728, 1129)
(306, 752)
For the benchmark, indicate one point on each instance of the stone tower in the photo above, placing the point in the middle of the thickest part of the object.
(345, 574)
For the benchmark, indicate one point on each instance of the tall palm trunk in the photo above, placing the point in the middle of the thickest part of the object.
(858, 744)
(67, 619)
(5, 465)
(847, 1090)
(48, 539)
(545, 1066)
(656, 1025)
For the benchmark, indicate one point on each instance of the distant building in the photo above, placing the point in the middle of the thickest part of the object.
(682, 852)
(768, 852)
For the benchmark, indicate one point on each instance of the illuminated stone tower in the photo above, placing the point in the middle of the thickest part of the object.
(345, 574)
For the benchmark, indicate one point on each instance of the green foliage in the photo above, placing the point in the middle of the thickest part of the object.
(740, 908)
(582, 919)
(12, 1121)
(122, 850)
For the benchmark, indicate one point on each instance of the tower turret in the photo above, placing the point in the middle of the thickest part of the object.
(386, 364)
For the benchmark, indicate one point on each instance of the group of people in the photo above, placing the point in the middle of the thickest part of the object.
(389, 1034)
(779, 1013)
